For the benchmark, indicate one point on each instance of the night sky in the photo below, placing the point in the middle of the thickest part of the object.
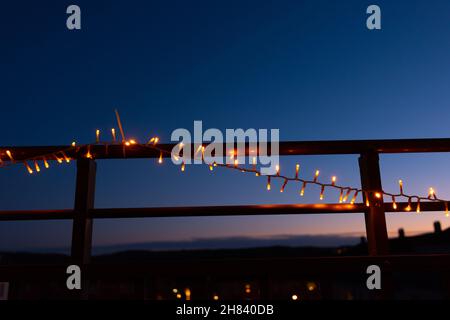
(309, 68)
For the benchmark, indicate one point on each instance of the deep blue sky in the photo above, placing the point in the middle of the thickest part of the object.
(309, 68)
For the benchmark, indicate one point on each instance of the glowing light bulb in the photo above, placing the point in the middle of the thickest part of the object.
(400, 184)
(316, 175)
(333, 180)
(297, 170)
(367, 199)
(268, 183)
(341, 195)
(113, 133)
(408, 207)
(73, 144)
(294, 297)
(88, 153)
(322, 190)
(97, 136)
(418, 206)
(9, 154)
(354, 197)
(215, 297)
(66, 158)
(446, 209)
(46, 165)
(30, 171)
(236, 162)
(284, 185)
(36, 165)
(57, 159)
(160, 160)
(183, 166)
(377, 195)
(302, 191)
(394, 204)
(277, 169)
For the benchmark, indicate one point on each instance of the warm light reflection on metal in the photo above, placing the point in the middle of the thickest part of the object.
(187, 293)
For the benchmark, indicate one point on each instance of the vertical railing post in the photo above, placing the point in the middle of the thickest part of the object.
(82, 222)
(376, 230)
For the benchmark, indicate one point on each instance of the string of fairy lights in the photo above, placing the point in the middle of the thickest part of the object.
(345, 192)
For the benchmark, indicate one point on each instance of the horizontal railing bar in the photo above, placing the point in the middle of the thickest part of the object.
(16, 215)
(210, 211)
(235, 267)
(285, 148)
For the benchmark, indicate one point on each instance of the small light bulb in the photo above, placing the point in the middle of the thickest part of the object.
(9, 154)
(160, 160)
(316, 175)
(333, 180)
(30, 171)
(36, 165)
(97, 136)
(113, 133)
(400, 184)
(268, 183)
(297, 169)
(284, 185)
(46, 165)
(322, 190)
(302, 191)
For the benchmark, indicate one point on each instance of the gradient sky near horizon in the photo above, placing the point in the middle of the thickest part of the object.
(309, 68)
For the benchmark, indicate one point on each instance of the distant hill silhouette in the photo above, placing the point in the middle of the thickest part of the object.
(436, 242)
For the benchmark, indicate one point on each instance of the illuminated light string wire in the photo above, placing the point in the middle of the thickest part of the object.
(345, 192)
